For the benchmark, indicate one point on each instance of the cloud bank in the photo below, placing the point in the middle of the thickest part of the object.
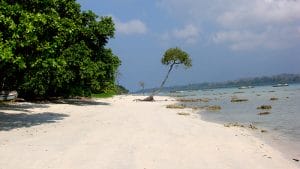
(242, 24)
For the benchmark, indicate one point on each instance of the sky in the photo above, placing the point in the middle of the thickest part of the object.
(226, 40)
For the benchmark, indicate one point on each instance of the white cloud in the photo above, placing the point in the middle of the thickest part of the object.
(131, 27)
(238, 40)
(261, 12)
(242, 24)
(272, 38)
(188, 34)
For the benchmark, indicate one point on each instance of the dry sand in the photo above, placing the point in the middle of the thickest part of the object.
(119, 133)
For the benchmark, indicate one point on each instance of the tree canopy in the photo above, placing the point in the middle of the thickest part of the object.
(176, 56)
(52, 48)
(172, 57)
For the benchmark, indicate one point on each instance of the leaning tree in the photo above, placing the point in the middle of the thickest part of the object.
(172, 57)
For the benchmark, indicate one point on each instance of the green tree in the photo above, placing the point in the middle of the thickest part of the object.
(172, 57)
(122, 90)
(51, 48)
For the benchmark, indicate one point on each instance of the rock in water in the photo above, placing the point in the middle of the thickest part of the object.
(264, 113)
(265, 107)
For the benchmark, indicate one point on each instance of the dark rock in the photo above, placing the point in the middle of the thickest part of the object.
(175, 106)
(265, 107)
(213, 108)
(183, 113)
(194, 100)
(251, 126)
(238, 100)
(264, 113)
(233, 125)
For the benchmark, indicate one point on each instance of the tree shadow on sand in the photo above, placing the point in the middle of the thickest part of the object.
(22, 107)
(80, 102)
(19, 115)
(9, 121)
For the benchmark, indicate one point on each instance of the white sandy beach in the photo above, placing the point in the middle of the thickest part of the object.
(119, 133)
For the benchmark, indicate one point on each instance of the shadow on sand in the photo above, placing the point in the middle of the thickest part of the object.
(9, 121)
(80, 102)
(22, 107)
(21, 113)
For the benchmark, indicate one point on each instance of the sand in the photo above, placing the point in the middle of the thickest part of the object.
(119, 133)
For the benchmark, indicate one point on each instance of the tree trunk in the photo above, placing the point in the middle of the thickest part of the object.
(150, 98)
(164, 81)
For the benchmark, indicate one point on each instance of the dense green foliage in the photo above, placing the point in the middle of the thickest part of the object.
(175, 56)
(51, 48)
(118, 90)
(121, 90)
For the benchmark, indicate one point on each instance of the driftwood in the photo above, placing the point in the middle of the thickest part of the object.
(147, 99)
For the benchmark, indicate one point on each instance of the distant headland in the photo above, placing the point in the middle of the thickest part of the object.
(252, 81)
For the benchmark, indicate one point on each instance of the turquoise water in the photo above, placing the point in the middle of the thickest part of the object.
(282, 124)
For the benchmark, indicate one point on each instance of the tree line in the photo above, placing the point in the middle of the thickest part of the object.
(255, 81)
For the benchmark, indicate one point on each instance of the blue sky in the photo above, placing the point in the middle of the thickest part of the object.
(225, 39)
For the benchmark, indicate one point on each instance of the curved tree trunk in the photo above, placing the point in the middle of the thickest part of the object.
(164, 81)
(150, 98)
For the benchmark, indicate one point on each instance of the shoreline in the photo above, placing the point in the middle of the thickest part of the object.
(279, 129)
(289, 148)
(277, 140)
(270, 138)
(121, 133)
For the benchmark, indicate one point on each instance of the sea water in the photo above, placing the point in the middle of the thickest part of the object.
(282, 124)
